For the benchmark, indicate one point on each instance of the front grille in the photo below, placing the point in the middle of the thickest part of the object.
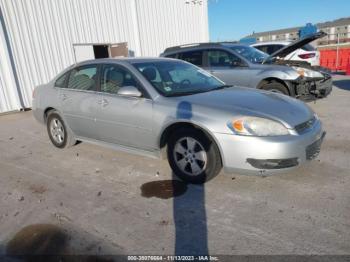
(305, 126)
(314, 149)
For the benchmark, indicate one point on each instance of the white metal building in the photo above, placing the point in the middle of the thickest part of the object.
(38, 37)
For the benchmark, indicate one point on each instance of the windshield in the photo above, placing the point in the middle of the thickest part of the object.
(175, 78)
(252, 54)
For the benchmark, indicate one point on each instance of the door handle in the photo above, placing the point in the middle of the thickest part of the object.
(103, 102)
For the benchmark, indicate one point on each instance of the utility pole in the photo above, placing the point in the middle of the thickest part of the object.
(337, 58)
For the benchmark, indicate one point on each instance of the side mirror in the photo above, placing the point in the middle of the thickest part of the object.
(129, 91)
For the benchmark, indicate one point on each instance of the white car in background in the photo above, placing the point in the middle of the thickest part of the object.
(306, 53)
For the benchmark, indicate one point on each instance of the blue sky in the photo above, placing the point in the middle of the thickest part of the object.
(234, 19)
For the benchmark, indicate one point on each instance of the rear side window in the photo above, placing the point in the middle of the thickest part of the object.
(83, 78)
(269, 49)
(172, 56)
(60, 82)
(273, 48)
(193, 57)
(262, 48)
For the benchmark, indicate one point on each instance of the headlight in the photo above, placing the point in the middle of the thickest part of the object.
(256, 126)
(304, 72)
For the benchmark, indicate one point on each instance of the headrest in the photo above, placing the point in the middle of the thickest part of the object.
(82, 82)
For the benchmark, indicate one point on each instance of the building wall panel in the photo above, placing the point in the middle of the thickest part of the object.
(9, 100)
(42, 33)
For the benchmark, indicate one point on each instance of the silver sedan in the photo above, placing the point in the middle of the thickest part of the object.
(171, 109)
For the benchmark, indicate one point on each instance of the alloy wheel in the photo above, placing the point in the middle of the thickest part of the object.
(190, 156)
(57, 130)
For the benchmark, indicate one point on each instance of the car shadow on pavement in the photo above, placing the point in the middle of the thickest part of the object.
(342, 84)
(189, 214)
(190, 221)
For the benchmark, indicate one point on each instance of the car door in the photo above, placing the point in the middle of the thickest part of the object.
(78, 100)
(121, 119)
(228, 67)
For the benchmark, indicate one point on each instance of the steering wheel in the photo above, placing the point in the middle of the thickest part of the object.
(185, 82)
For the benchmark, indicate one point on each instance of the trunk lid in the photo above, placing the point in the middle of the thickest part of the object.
(283, 52)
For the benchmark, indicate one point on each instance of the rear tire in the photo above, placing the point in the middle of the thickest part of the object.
(193, 157)
(59, 134)
(276, 87)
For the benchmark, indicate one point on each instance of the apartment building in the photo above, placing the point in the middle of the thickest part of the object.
(338, 32)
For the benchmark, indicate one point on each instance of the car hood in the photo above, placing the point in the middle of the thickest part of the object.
(283, 52)
(241, 101)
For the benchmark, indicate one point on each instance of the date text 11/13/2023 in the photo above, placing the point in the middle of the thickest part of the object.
(173, 258)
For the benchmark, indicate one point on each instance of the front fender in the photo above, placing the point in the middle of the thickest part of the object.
(285, 74)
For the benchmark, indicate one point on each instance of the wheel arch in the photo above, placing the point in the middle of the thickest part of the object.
(48, 109)
(171, 128)
(269, 80)
(46, 112)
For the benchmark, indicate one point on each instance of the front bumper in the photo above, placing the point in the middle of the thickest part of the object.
(268, 155)
(324, 87)
(311, 89)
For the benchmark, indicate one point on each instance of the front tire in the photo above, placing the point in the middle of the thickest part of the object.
(193, 157)
(276, 87)
(58, 132)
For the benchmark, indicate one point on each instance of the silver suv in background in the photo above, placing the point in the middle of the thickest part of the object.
(243, 65)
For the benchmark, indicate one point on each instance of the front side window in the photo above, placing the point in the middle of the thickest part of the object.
(220, 58)
(83, 78)
(193, 57)
(250, 53)
(262, 48)
(176, 78)
(113, 77)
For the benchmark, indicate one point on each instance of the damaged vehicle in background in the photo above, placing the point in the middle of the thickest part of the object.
(306, 53)
(239, 64)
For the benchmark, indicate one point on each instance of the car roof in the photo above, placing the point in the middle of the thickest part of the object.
(122, 60)
(194, 46)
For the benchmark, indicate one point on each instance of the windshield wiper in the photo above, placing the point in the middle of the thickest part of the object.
(199, 91)
(182, 94)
